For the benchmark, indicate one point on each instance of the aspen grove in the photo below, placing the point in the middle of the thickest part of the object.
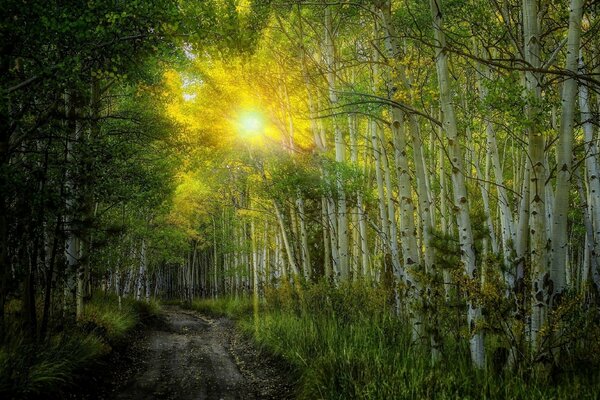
(427, 171)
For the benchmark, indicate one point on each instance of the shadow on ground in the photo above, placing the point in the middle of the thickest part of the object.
(191, 356)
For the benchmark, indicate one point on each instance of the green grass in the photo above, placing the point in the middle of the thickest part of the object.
(231, 306)
(50, 367)
(344, 344)
(28, 370)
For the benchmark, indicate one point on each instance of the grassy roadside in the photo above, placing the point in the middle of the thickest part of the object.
(345, 345)
(52, 367)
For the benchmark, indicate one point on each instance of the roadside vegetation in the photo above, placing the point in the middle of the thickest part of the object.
(347, 343)
(400, 198)
(57, 364)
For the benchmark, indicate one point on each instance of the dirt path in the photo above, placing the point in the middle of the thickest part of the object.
(196, 357)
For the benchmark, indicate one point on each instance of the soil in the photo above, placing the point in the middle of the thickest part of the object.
(193, 356)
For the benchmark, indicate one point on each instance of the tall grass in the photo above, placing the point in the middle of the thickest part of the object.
(346, 344)
(50, 367)
(29, 370)
(235, 307)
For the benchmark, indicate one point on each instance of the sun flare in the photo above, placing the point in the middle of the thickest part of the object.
(251, 123)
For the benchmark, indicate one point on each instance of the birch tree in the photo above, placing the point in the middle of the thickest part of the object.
(461, 204)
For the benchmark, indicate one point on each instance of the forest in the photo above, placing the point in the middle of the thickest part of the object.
(355, 199)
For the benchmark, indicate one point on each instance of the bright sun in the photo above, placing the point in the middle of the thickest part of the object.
(251, 123)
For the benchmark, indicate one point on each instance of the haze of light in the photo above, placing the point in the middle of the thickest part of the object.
(251, 124)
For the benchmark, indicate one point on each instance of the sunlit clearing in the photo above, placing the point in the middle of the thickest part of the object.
(251, 124)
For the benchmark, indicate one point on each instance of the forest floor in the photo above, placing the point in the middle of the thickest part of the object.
(193, 356)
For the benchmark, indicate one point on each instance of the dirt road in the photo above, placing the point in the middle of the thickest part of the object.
(196, 357)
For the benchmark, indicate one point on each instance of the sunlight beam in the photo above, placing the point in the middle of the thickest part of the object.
(251, 123)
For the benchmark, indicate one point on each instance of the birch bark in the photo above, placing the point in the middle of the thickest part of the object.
(593, 177)
(340, 151)
(560, 240)
(461, 204)
(537, 175)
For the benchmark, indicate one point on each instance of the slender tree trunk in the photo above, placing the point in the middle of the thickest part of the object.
(484, 190)
(215, 260)
(4, 159)
(306, 264)
(380, 187)
(49, 280)
(73, 228)
(461, 204)
(560, 240)
(326, 239)
(399, 272)
(408, 232)
(340, 153)
(592, 168)
(286, 241)
(537, 174)
(360, 242)
(333, 235)
(507, 230)
(354, 262)
(142, 271)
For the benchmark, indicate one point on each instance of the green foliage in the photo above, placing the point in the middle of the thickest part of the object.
(350, 176)
(105, 319)
(232, 307)
(53, 365)
(289, 178)
(28, 370)
(345, 343)
(571, 334)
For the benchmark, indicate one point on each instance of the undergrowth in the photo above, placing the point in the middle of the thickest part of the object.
(49, 367)
(346, 343)
(234, 307)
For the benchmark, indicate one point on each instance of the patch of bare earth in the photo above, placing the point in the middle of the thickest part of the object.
(196, 357)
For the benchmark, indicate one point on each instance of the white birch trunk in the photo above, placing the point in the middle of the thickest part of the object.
(484, 189)
(354, 262)
(215, 260)
(410, 250)
(118, 285)
(560, 240)
(537, 174)
(278, 263)
(255, 260)
(305, 251)
(333, 241)
(424, 195)
(507, 230)
(593, 179)
(360, 243)
(383, 219)
(286, 241)
(326, 239)
(340, 152)
(141, 272)
(461, 204)
(399, 272)
(408, 233)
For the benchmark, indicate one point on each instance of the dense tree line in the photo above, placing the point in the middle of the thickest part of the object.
(79, 123)
(446, 152)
